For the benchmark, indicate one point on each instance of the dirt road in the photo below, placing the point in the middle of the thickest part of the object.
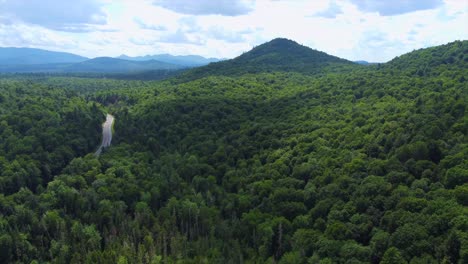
(106, 134)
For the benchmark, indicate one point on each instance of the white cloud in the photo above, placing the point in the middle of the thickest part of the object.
(332, 11)
(396, 7)
(207, 7)
(55, 14)
(20, 35)
(342, 28)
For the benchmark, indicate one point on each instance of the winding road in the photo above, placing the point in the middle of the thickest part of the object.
(106, 134)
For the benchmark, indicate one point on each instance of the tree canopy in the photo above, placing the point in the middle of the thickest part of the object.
(366, 164)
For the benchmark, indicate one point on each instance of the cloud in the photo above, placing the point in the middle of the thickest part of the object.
(141, 42)
(207, 7)
(70, 16)
(26, 36)
(224, 34)
(146, 26)
(140, 27)
(377, 46)
(331, 12)
(180, 37)
(189, 24)
(376, 39)
(396, 7)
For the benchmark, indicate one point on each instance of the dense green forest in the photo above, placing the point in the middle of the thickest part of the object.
(283, 155)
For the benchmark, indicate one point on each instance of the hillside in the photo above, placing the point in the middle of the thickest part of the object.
(28, 56)
(433, 60)
(282, 165)
(277, 55)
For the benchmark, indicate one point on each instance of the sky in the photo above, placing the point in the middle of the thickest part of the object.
(371, 30)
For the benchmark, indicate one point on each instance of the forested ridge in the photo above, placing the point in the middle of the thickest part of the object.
(335, 163)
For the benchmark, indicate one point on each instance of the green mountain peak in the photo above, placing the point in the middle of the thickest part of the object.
(277, 55)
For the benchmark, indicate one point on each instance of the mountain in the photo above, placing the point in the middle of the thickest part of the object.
(96, 65)
(362, 62)
(361, 166)
(433, 60)
(277, 55)
(113, 65)
(27, 60)
(29, 56)
(184, 60)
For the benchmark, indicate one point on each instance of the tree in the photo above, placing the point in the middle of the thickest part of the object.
(392, 256)
(456, 176)
(453, 247)
(6, 248)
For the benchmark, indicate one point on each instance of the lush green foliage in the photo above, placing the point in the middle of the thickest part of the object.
(434, 61)
(41, 132)
(283, 167)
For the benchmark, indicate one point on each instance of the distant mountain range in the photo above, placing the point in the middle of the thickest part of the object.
(96, 65)
(113, 65)
(277, 55)
(24, 60)
(28, 56)
(362, 62)
(184, 60)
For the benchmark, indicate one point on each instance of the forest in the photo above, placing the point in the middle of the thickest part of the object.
(283, 155)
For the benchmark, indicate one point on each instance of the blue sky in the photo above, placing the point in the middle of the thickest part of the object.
(353, 29)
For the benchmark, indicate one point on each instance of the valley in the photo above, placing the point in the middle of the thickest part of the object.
(284, 154)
